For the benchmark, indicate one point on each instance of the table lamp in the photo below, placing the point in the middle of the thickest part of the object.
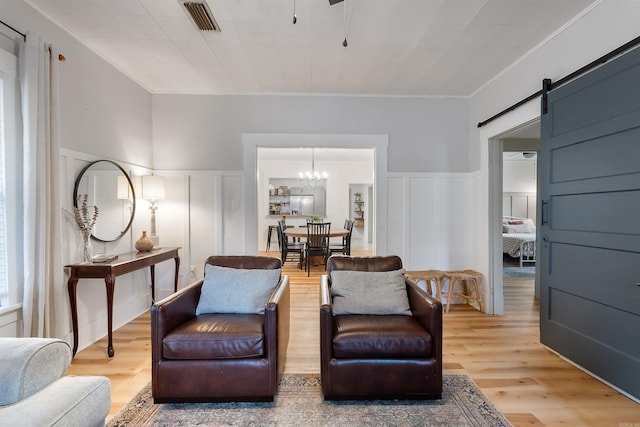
(153, 189)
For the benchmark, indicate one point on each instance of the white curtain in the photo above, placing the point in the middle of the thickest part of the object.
(42, 256)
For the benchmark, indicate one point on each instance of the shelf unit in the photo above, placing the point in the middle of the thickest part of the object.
(358, 221)
(279, 205)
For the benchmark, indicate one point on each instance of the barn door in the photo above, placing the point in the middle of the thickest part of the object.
(589, 222)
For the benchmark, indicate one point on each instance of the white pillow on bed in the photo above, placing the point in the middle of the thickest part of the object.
(527, 226)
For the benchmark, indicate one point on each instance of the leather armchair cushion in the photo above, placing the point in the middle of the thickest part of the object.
(367, 336)
(216, 336)
(386, 292)
(236, 290)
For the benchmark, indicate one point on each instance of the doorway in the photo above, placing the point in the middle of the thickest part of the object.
(347, 170)
(377, 143)
(508, 198)
(361, 208)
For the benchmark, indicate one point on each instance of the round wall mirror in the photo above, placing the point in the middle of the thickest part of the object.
(108, 187)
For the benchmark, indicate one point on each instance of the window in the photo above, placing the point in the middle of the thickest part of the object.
(4, 285)
(10, 226)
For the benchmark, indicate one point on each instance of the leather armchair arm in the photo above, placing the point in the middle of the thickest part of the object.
(325, 292)
(428, 312)
(426, 309)
(280, 292)
(171, 312)
(326, 321)
(277, 321)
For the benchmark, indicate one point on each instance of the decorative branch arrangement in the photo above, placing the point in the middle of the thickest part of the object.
(85, 220)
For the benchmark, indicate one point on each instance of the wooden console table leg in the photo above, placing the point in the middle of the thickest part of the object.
(110, 281)
(175, 283)
(153, 283)
(71, 287)
(153, 279)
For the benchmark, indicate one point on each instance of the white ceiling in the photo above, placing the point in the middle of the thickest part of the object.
(396, 47)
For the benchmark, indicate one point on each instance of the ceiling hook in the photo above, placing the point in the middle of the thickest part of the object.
(295, 17)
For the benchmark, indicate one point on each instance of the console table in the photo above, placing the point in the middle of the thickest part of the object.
(123, 264)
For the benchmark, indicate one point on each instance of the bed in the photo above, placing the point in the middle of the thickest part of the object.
(519, 239)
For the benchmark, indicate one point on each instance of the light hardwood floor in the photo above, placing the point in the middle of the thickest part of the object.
(527, 382)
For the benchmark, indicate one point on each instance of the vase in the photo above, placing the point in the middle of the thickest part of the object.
(87, 247)
(144, 243)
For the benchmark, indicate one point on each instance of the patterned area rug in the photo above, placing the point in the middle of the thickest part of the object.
(300, 403)
(520, 271)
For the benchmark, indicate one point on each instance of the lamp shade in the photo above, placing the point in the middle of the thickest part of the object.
(152, 187)
(123, 188)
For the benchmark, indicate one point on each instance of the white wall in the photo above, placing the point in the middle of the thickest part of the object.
(200, 215)
(428, 220)
(519, 176)
(519, 186)
(200, 132)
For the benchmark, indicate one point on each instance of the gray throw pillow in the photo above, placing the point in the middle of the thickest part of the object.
(235, 290)
(369, 292)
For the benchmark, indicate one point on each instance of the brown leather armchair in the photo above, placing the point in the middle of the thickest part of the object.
(219, 357)
(369, 364)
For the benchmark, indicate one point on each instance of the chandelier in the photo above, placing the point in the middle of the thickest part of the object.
(313, 178)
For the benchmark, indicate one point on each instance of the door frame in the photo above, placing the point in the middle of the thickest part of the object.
(501, 129)
(251, 142)
(495, 224)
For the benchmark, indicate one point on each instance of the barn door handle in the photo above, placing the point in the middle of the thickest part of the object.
(545, 212)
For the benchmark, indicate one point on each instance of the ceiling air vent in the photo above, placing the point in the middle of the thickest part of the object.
(201, 16)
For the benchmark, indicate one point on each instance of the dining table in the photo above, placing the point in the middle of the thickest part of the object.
(301, 232)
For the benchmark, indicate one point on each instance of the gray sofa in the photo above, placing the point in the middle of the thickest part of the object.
(34, 392)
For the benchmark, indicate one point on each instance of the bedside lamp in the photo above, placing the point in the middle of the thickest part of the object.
(153, 190)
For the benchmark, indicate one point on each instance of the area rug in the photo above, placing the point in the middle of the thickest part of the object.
(520, 271)
(299, 402)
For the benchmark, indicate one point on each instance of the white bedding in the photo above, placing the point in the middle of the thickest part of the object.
(512, 241)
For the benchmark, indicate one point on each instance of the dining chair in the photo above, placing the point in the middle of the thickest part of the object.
(290, 250)
(335, 245)
(317, 244)
(344, 247)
